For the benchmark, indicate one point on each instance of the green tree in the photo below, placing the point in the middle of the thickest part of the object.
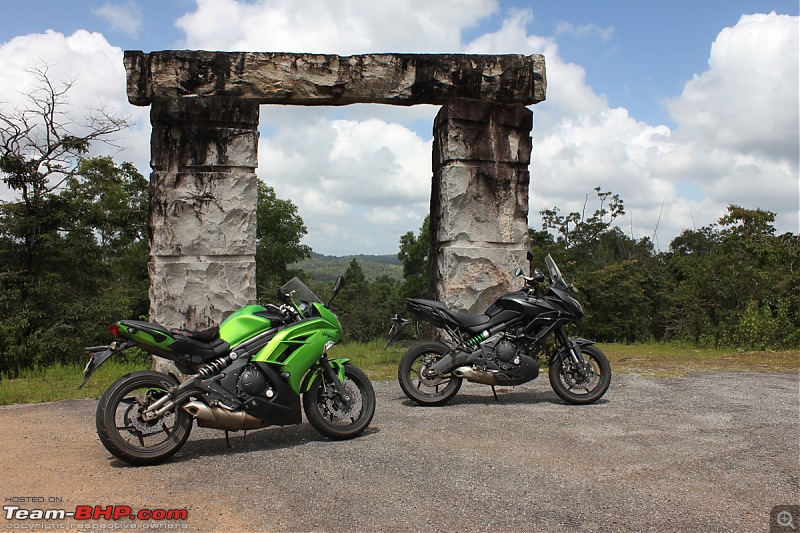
(737, 283)
(73, 242)
(39, 155)
(88, 268)
(577, 230)
(415, 252)
(621, 280)
(278, 234)
(352, 303)
(365, 307)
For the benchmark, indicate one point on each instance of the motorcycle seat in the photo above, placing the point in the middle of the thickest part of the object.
(200, 351)
(434, 309)
(200, 346)
(203, 335)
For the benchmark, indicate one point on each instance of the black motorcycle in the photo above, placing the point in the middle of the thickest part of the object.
(502, 346)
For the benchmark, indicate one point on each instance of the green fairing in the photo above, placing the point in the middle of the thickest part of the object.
(243, 324)
(144, 338)
(297, 348)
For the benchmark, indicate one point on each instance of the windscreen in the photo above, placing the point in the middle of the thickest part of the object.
(299, 291)
(555, 273)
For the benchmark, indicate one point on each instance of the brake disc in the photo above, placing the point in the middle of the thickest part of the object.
(145, 428)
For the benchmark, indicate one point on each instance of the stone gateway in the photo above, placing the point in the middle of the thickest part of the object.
(205, 114)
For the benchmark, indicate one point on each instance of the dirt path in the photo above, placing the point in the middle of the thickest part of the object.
(706, 452)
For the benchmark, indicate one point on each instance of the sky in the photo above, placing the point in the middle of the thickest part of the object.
(681, 108)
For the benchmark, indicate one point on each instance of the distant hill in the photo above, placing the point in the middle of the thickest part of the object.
(326, 267)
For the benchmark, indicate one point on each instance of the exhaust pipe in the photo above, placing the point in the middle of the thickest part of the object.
(218, 418)
(465, 372)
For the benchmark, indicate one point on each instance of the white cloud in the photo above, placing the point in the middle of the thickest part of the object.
(344, 27)
(740, 120)
(736, 139)
(587, 30)
(125, 18)
(365, 177)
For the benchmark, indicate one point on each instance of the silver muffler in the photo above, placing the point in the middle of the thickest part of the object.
(218, 418)
(475, 376)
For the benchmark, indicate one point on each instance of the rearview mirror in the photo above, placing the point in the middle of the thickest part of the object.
(337, 286)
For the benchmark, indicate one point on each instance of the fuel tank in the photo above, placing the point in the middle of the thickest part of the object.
(248, 322)
(520, 302)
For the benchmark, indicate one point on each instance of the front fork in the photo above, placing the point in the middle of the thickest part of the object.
(332, 378)
(330, 375)
(572, 350)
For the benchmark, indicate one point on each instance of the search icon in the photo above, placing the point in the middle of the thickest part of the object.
(785, 519)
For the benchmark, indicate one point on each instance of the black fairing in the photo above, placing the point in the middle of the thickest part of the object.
(281, 410)
(567, 302)
(527, 370)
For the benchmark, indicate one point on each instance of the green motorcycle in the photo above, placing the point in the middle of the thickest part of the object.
(248, 373)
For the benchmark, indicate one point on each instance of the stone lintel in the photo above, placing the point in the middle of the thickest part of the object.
(317, 79)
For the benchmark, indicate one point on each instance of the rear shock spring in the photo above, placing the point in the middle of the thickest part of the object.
(477, 339)
(214, 367)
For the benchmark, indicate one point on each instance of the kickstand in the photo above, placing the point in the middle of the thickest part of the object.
(227, 440)
(495, 394)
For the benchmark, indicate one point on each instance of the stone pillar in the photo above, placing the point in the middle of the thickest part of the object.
(479, 201)
(203, 209)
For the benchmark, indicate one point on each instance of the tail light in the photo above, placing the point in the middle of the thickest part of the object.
(114, 330)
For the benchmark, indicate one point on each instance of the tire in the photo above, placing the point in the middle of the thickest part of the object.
(422, 390)
(125, 434)
(566, 382)
(332, 417)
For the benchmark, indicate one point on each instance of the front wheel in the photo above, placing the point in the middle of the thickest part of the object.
(127, 435)
(413, 378)
(584, 385)
(332, 415)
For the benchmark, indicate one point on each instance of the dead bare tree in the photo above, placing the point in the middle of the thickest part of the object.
(41, 145)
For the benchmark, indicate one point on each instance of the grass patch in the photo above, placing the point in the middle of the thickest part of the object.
(60, 382)
(372, 358)
(666, 360)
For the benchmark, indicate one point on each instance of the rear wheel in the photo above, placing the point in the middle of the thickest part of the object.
(123, 430)
(416, 385)
(336, 417)
(581, 385)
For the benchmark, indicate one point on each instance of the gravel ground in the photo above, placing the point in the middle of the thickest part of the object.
(707, 452)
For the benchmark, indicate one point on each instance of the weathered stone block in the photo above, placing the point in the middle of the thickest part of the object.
(205, 133)
(317, 79)
(480, 203)
(203, 213)
(469, 277)
(195, 292)
(480, 131)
